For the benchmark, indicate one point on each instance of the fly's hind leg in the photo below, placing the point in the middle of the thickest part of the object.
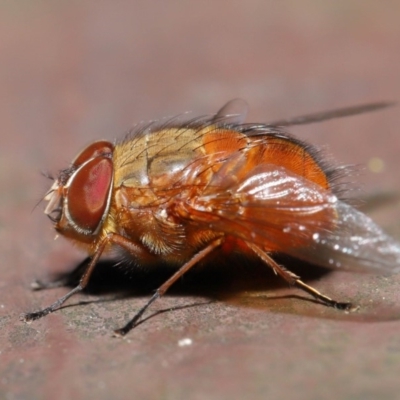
(295, 280)
(325, 299)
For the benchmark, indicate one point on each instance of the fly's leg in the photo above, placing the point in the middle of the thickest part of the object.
(82, 284)
(294, 280)
(166, 285)
(111, 238)
(340, 305)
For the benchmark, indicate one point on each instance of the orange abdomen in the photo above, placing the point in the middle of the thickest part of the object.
(268, 149)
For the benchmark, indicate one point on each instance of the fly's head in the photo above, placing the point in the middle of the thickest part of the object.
(79, 199)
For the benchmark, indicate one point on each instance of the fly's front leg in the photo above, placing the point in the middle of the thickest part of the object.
(111, 238)
(82, 284)
(294, 280)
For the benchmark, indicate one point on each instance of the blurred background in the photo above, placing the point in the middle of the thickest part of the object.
(75, 71)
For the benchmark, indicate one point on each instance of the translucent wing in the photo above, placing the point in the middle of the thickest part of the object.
(235, 111)
(331, 114)
(355, 243)
(283, 212)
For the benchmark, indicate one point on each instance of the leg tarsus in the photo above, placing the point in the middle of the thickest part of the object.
(345, 306)
(325, 299)
(294, 280)
(45, 311)
(135, 320)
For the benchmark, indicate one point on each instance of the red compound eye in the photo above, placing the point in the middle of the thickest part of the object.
(96, 149)
(88, 192)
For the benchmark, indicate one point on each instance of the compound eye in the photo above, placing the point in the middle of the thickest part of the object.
(88, 194)
(96, 149)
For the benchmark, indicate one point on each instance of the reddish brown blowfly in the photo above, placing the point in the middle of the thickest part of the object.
(178, 192)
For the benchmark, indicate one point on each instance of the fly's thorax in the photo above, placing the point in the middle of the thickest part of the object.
(146, 156)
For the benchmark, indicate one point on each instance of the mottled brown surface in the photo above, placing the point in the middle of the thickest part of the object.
(74, 71)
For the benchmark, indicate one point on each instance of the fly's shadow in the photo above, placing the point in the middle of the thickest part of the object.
(213, 279)
(223, 280)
